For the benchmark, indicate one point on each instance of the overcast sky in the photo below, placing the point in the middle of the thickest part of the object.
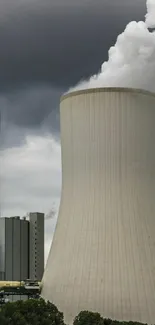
(46, 47)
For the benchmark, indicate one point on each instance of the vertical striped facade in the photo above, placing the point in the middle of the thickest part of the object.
(103, 252)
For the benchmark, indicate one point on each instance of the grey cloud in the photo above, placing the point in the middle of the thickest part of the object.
(59, 42)
(47, 47)
(11, 136)
(31, 110)
(28, 180)
(31, 106)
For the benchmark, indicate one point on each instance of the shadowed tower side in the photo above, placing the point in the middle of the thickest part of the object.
(103, 252)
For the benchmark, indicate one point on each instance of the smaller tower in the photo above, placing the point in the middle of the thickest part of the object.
(36, 262)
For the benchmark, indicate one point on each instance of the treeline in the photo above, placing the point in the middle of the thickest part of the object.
(39, 312)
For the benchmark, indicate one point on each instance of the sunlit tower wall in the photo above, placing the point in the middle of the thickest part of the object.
(103, 252)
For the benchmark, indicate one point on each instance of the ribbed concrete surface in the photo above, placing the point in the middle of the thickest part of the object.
(103, 253)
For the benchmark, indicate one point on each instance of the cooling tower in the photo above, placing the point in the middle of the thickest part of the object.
(103, 252)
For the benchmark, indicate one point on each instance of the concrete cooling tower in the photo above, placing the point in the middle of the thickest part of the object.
(103, 252)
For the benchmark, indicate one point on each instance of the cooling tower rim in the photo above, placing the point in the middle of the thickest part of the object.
(107, 89)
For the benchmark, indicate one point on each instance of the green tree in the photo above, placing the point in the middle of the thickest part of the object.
(30, 312)
(88, 318)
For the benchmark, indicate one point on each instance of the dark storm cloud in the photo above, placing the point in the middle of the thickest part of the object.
(31, 106)
(33, 110)
(48, 46)
(59, 41)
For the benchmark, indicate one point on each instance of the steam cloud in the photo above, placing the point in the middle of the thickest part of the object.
(131, 60)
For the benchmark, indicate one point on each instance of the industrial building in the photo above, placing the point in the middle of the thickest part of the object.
(36, 242)
(103, 252)
(14, 249)
(22, 248)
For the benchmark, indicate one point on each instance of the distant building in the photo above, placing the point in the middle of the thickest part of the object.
(22, 248)
(14, 249)
(36, 240)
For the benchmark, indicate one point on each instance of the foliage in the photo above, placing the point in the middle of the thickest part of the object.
(30, 312)
(39, 312)
(88, 318)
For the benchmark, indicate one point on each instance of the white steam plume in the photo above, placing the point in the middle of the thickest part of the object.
(150, 16)
(131, 60)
